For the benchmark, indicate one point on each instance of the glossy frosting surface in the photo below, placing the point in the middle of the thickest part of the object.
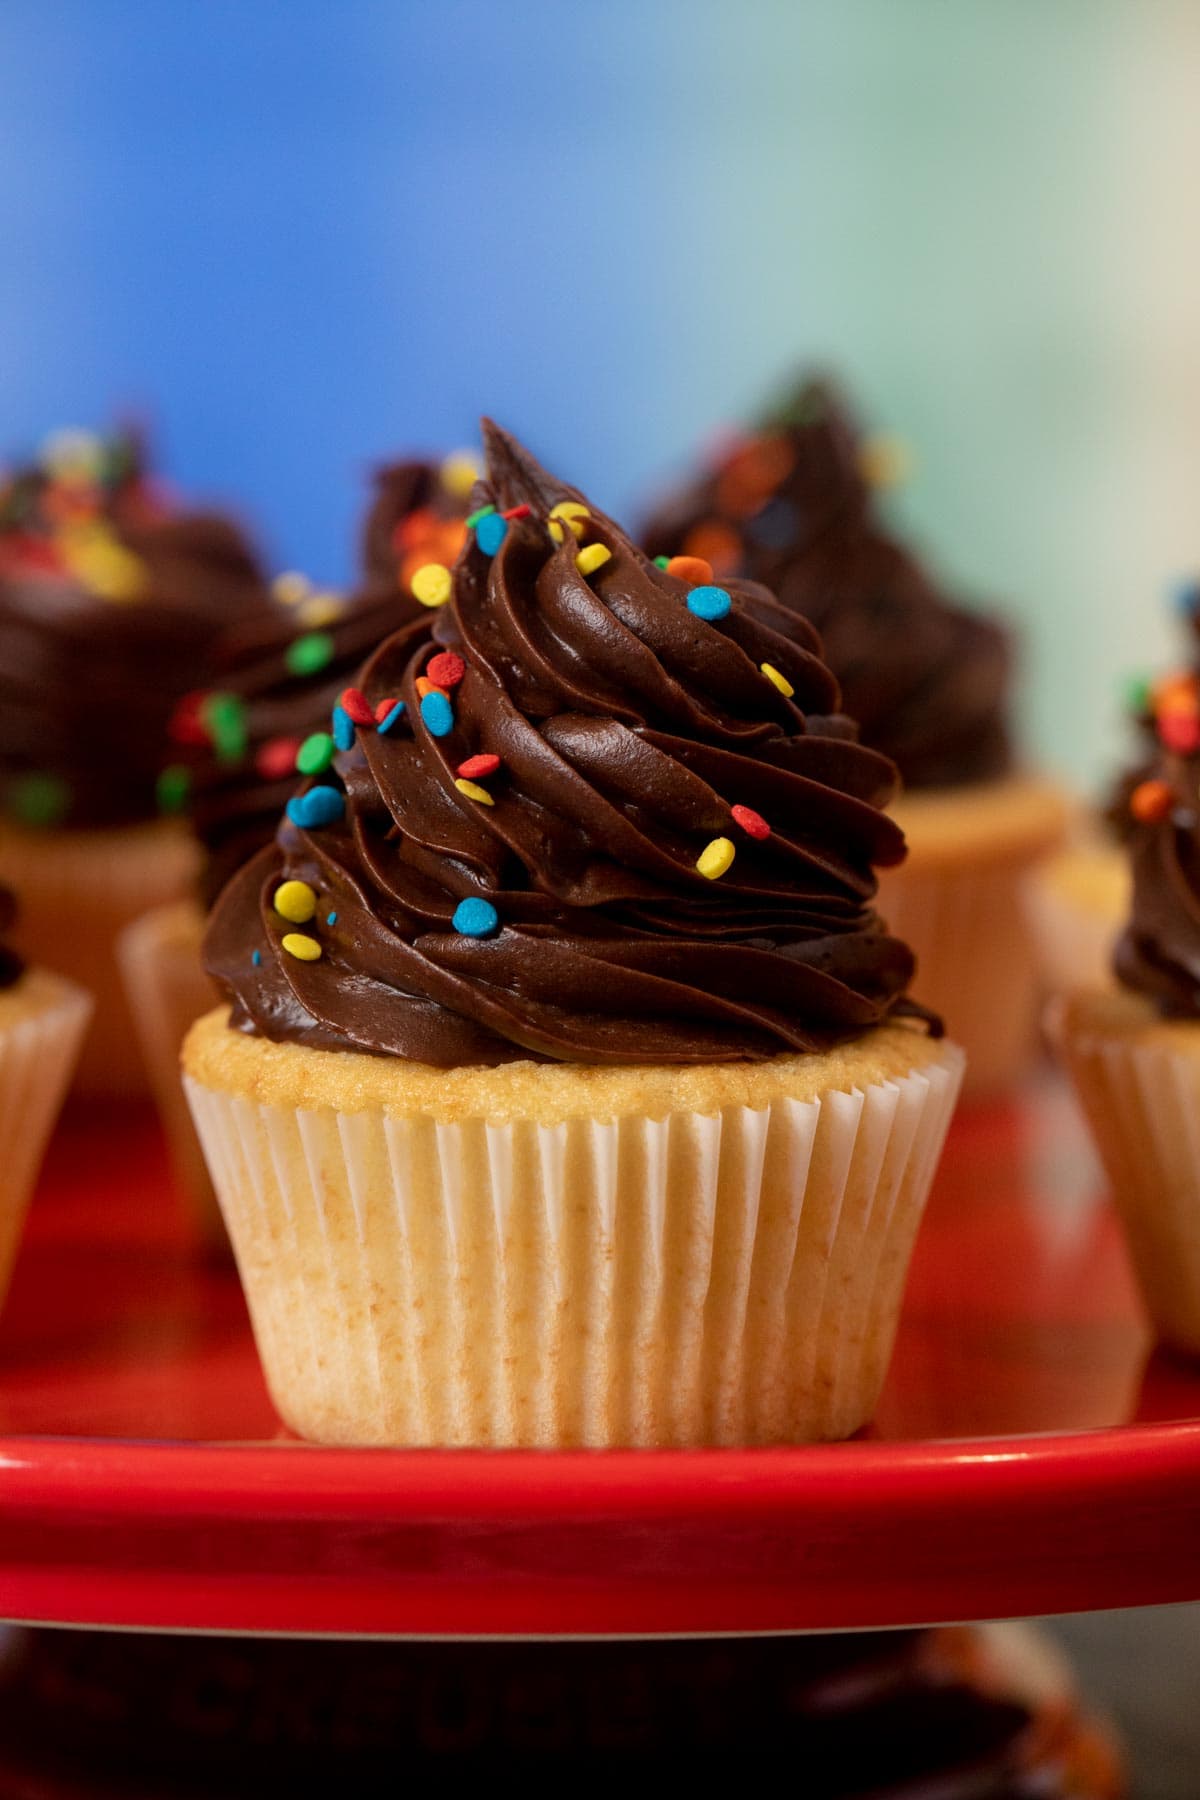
(793, 506)
(625, 729)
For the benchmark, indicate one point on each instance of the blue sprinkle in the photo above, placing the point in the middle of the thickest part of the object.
(709, 602)
(438, 715)
(343, 729)
(475, 918)
(320, 806)
(256, 959)
(389, 719)
(1187, 597)
(490, 533)
(331, 918)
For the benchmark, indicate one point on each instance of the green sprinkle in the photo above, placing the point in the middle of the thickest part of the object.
(315, 754)
(472, 519)
(1136, 694)
(172, 788)
(308, 654)
(39, 799)
(224, 718)
(660, 562)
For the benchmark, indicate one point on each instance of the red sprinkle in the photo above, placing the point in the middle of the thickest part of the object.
(752, 823)
(384, 708)
(446, 669)
(478, 768)
(354, 702)
(276, 760)
(517, 512)
(1180, 732)
(186, 725)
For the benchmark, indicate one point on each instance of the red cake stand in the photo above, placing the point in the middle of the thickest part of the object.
(1031, 1453)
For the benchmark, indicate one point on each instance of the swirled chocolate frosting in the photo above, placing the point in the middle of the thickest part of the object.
(110, 605)
(793, 506)
(280, 673)
(282, 668)
(1158, 954)
(10, 963)
(604, 815)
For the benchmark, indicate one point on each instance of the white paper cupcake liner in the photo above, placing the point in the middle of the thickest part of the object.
(37, 1055)
(1142, 1102)
(976, 966)
(167, 989)
(724, 1279)
(77, 890)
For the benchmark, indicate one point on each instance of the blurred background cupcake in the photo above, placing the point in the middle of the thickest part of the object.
(43, 1018)
(282, 700)
(112, 599)
(793, 504)
(1132, 1047)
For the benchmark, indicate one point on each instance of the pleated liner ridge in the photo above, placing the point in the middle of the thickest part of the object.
(37, 1056)
(1143, 1104)
(688, 1280)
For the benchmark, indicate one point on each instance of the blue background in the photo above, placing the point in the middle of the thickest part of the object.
(304, 236)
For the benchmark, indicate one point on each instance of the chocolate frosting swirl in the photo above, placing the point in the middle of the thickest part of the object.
(238, 784)
(237, 790)
(110, 606)
(1158, 954)
(793, 507)
(10, 963)
(626, 728)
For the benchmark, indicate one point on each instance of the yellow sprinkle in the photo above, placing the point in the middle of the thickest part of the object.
(431, 584)
(473, 791)
(777, 680)
(304, 949)
(291, 587)
(715, 858)
(570, 512)
(885, 461)
(296, 901)
(105, 566)
(319, 610)
(593, 558)
(459, 473)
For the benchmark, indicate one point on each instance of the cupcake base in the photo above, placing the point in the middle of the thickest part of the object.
(167, 989)
(77, 890)
(1138, 1080)
(959, 901)
(552, 1255)
(42, 1022)
(1078, 902)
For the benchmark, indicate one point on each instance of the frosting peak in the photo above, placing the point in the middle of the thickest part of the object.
(792, 505)
(595, 810)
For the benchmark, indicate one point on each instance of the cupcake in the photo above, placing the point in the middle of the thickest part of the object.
(283, 682)
(110, 604)
(1133, 1049)
(793, 506)
(568, 1090)
(42, 1021)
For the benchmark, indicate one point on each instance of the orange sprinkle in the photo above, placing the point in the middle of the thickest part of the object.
(716, 544)
(425, 686)
(1175, 694)
(752, 473)
(1151, 801)
(690, 568)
